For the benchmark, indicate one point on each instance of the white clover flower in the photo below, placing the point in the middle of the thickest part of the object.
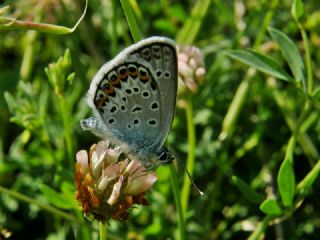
(108, 188)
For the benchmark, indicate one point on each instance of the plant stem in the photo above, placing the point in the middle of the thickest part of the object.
(67, 130)
(307, 182)
(191, 156)
(256, 235)
(175, 188)
(102, 231)
(43, 206)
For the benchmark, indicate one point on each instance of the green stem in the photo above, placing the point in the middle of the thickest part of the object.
(175, 188)
(43, 206)
(67, 129)
(8, 23)
(102, 231)
(307, 182)
(28, 55)
(135, 31)
(256, 235)
(191, 156)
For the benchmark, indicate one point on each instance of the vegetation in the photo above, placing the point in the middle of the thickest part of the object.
(249, 133)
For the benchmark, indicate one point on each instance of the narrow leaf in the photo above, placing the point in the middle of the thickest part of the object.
(286, 178)
(290, 53)
(270, 207)
(247, 191)
(261, 62)
(297, 10)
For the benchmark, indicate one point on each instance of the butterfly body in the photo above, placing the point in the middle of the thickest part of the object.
(133, 99)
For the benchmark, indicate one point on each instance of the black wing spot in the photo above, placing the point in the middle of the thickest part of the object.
(129, 126)
(142, 72)
(146, 54)
(156, 52)
(113, 77)
(122, 70)
(146, 94)
(153, 86)
(112, 120)
(166, 74)
(136, 109)
(113, 109)
(154, 106)
(128, 91)
(136, 121)
(159, 73)
(152, 122)
(123, 108)
(135, 89)
(124, 99)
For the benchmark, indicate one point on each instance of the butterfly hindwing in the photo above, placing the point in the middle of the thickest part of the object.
(133, 96)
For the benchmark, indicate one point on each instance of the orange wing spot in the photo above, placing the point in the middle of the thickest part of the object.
(109, 90)
(115, 81)
(124, 75)
(102, 101)
(144, 77)
(133, 72)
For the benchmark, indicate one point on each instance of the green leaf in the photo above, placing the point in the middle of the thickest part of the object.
(286, 178)
(247, 191)
(270, 207)
(297, 10)
(261, 62)
(290, 53)
(57, 199)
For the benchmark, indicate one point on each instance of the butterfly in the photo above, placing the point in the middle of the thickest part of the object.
(133, 99)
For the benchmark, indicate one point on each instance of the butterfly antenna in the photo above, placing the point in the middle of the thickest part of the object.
(191, 179)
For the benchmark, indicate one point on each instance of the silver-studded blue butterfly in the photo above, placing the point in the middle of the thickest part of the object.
(133, 98)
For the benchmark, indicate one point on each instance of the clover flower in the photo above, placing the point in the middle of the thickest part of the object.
(107, 187)
(191, 68)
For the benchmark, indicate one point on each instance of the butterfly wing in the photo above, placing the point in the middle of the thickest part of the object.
(133, 96)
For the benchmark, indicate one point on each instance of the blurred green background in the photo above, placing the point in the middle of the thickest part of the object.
(242, 120)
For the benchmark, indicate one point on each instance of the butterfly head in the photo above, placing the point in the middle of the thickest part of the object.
(165, 155)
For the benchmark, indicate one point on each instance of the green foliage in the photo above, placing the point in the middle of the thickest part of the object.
(261, 62)
(249, 138)
(290, 53)
(270, 207)
(286, 178)
(247, 191)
